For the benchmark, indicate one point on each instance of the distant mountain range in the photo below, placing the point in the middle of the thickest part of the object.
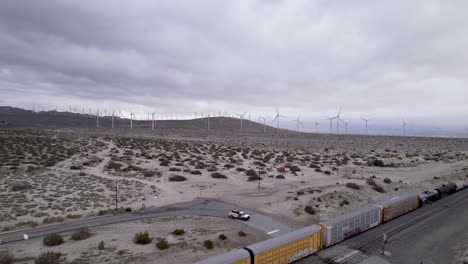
(20, 118)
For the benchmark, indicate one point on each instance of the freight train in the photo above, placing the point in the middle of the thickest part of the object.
(306, 241)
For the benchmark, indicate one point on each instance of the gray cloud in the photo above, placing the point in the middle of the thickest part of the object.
(386, 60)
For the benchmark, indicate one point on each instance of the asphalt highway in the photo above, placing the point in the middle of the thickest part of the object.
(196, 208)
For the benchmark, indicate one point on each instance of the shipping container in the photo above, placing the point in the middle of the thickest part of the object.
(399, 205)
(350, 224)
(288, 247)
(235, 256)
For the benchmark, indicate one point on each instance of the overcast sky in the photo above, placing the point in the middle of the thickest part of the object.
(395, 60)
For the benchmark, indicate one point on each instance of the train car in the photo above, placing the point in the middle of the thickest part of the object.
(350, 224)
(465, 184)
(448, 189)
(288, 247)
(429, 196)
(235, 256)
(460, 185)
(399, 205)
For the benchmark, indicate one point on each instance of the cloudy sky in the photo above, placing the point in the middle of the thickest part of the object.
(388, 61)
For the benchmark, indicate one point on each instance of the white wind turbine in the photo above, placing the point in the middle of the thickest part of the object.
(113, 119)
(241, 120)
(277, 118)
(264, 121)
(331, 123)
(97, 118)
(404, 128)
(297, 122)
(131, 120)
(316, 126)
(346, 125)
(338, 121)
(365, 120)
(152, 121)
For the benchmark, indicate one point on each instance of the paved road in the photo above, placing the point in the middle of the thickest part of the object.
(197, 207)
(431, 234)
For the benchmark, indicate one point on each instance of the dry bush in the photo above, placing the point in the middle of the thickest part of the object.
(371, 182)
(218, 175)
(387, 180)
(309, 210)
(21, 186)
(208, 244)
(251, 172)
(7, 257)
(81, 234)
(52, 240)
(177, 178)
(379, 189)
(353, 186)
(142, 238)
(222, 237)
(242, 233)
(162, 244)
(49, 257)
(178, 232)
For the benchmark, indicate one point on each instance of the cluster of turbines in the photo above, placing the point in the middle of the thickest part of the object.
(152, 117)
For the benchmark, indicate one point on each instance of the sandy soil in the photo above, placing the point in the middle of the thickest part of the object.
(119, 247)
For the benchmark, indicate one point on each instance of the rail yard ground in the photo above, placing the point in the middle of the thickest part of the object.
(54, 175)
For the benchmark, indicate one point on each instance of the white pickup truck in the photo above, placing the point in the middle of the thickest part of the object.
(239, 215)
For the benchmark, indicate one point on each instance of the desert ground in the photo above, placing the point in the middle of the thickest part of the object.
(49, 176)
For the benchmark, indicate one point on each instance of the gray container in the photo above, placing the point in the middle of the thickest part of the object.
(351, 224)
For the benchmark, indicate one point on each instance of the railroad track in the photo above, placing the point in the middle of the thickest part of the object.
(374, 245)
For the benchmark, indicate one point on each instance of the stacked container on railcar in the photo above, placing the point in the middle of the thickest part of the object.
(288, 247)
(235, 256)
(399, 205)
(350, 224)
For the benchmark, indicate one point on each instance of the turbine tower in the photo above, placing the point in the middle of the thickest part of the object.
(331, 123)
(346, 125)
(97, 118)
(277, 118)
(152, 121)
(297, 123)
(131, 120)
(264, 121)
(241, 120)
(338, 121)
(316, 126)
(365, 120)
(404, 128)
(112, 119)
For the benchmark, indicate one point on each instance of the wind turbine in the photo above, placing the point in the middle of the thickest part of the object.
(97, 118)
(404, 128)
(241, 119)
(264, 121)
(112, 119)
(152, 121)
(277, 118)
(346, 125)
(331, 124)
(208, 118)
(131, 120)
(338, 121)
(298, 122)
(316, 126)
(365, 120)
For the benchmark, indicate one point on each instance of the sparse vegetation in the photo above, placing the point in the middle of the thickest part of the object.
(162, 244)
(177, 178)
(178, 232)
(6, 257)
(222, 237)
(218, 175)
(49, 257)
(353, 186)
(208, 244)
(82, 233)
(379, 189)
(101, 245)
(142, 238)
(242, 233)
(309, 210)
(52, 240)
(387, 180)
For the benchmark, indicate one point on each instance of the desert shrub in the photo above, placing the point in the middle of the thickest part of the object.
(174, 169)
(6, 257)
(242, 233)
(251, 172)
(378, 163)
(294, 168)
(327, 172)
(80, 234)
(255, 178)
(52, 240)
(128, 209)
(279, 177)
(371, 182)
(228, 166)
(208, 244)
(344, 202)
(149, 173)
(177, 178)
(300, 193)
(20, 186)
(178, 232)
(195, 172)
(101, 245)
(50, 162)
(222, 237)
(142, 238)
(164, 163)
(387, 180)
(353, 186)
(240, 169)
(379, 189)
(162, 244)
(314, 165)
(82, 173)
(309, 210)
(218, 175)
(49, 257)
(75, 167)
